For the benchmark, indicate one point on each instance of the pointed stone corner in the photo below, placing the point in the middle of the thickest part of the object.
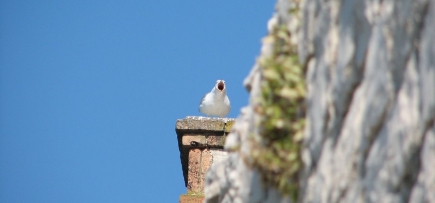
(200, 141)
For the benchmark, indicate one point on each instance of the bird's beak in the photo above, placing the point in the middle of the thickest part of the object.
(220, 86)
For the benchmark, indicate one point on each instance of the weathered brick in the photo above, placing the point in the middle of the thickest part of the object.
(202, 140)
(215, 141)
(206, 162)
(188, 139)
(194, 177)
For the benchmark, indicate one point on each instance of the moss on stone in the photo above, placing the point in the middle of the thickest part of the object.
(281, 106)
(205, 124)
(229, 125)
(190, 193)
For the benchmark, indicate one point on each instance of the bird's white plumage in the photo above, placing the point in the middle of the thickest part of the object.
(216, 102)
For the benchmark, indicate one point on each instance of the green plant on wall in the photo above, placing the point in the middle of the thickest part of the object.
(281, 106)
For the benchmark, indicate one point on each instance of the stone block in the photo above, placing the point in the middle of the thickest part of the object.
(191, 198)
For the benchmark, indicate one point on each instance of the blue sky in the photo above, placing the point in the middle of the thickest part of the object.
(90, 92)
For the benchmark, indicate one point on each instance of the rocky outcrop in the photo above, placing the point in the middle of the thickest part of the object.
(370, 106)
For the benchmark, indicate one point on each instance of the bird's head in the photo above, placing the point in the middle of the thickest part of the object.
(220, 85)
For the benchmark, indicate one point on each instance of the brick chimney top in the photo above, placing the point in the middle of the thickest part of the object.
(200, 141)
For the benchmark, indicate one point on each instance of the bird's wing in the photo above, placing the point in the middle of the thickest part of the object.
(203, 98)
(227, 100)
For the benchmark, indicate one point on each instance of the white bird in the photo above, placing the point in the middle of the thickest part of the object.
(216, 102)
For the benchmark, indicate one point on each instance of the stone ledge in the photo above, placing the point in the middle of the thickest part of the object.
(199, 123)
(191, 198)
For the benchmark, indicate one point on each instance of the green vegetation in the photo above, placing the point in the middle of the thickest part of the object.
(281, 105)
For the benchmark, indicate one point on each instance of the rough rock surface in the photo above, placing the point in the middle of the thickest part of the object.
(370, 134)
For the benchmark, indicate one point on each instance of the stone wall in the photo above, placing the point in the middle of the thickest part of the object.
(371, 102)
(370, 106)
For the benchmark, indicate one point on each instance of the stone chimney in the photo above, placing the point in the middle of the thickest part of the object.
(200, 141)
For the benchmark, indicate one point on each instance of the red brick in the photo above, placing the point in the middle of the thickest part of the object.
(194, 172)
